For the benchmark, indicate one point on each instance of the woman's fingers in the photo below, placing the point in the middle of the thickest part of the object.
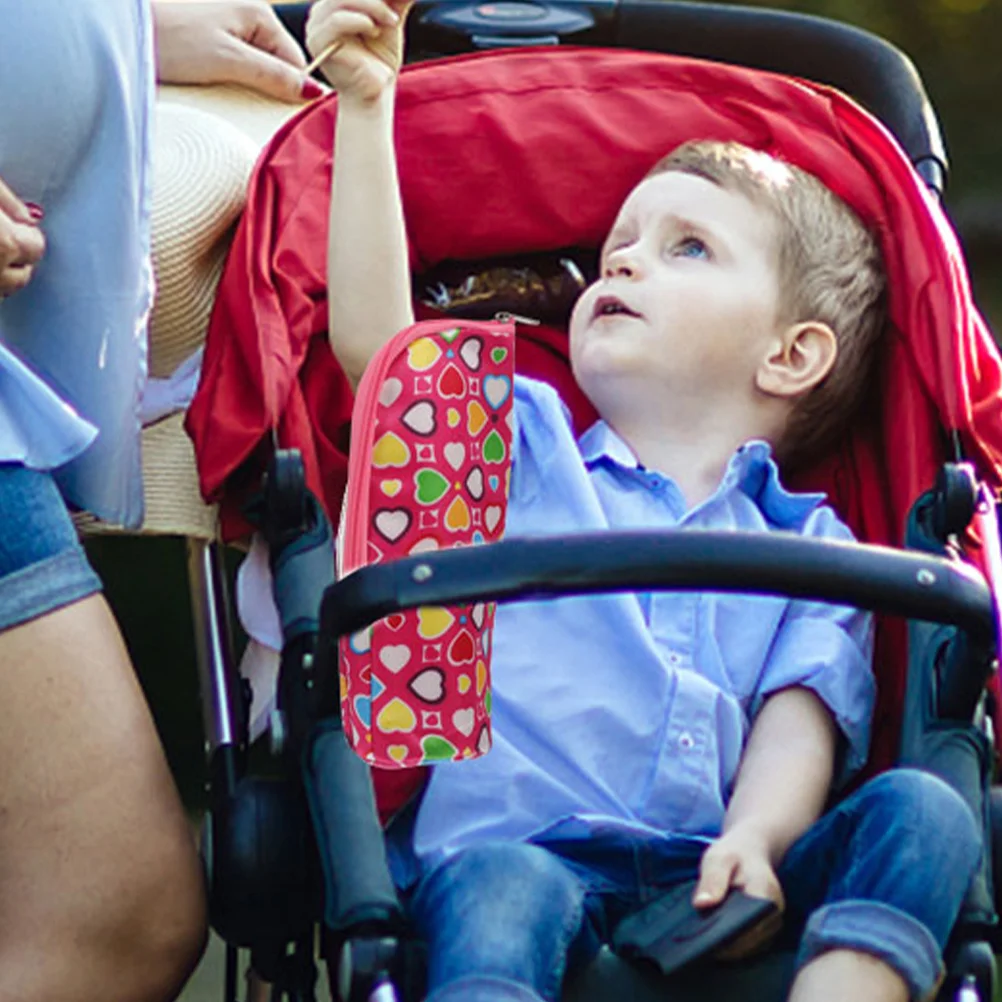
(241, 41)
(14, 278)
(13, 207)
(22, 243)
(252, 67)
(266, 32)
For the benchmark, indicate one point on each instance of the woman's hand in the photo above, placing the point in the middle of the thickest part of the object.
(368, 41)
(230, 41)
(21, 242)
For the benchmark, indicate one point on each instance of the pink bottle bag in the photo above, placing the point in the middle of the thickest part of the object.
(429, 468)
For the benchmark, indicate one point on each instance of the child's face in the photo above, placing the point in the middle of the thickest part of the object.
(688, 298)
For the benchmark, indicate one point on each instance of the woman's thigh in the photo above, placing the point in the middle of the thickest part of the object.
(97, 864)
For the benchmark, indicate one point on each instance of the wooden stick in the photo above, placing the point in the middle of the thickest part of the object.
(323, 57)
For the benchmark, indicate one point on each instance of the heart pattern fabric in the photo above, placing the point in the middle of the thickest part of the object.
(430, 455)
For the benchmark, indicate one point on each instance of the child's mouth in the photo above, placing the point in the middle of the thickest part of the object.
(612, 306)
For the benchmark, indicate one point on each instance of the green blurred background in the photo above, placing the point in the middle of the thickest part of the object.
(957, 45)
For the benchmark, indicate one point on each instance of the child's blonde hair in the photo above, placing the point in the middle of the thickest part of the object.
(830, 270)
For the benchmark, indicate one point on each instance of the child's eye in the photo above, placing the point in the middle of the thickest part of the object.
(691, 247)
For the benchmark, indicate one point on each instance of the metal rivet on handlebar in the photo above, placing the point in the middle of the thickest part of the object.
(925, 577)
(422, 572)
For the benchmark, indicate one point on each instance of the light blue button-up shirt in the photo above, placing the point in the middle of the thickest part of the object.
(76, 81)
(631, 711)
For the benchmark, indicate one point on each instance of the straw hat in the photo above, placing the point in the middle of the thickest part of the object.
(206, 140)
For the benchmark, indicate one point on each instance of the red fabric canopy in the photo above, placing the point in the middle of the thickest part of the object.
(533, 150)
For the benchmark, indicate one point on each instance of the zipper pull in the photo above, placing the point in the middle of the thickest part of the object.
(504, 317)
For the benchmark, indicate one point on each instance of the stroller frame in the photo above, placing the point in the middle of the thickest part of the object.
(264, 874)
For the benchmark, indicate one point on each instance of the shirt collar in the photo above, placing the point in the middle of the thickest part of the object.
(751, 469)
(601, 442)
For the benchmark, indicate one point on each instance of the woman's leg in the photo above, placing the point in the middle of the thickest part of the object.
(499, 919)
(101, 894)
(882, 876)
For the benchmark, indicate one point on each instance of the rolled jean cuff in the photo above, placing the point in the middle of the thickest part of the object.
(483, 988)
(882, 931)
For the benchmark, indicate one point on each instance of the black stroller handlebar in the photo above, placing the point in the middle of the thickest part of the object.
(877, 578)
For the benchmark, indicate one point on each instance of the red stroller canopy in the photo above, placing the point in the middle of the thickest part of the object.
(532, 150)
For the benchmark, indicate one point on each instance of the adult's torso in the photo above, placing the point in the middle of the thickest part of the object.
(77, 85)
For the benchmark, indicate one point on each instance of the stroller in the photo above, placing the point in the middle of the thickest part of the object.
(922, 470)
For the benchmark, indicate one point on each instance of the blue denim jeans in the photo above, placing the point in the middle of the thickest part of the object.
(42, 564)
(885, 872)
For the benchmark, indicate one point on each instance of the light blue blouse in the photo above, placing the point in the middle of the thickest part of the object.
(76, 91)
(630, 712)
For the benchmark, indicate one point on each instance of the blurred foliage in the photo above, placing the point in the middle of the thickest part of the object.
(957, 48)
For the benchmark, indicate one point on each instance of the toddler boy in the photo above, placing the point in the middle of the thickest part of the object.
(641, 740)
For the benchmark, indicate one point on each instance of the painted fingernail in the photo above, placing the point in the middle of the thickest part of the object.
(36, 212)
(312, 90)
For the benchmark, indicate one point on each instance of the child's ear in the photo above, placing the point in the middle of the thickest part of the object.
(797, 360)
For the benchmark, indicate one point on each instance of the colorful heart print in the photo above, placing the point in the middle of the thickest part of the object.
(416, 689)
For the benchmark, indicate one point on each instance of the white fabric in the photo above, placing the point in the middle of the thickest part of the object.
(258, 615)
(168, 396)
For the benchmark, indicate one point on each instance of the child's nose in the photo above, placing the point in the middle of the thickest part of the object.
(622, 264)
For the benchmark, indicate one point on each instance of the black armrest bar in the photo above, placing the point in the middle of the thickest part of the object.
(877, 578)
(866, 67)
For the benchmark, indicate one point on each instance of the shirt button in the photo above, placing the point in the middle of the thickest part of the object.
(674, 658)
(685, 741)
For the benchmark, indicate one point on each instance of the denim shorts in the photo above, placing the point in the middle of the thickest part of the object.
(42, 564)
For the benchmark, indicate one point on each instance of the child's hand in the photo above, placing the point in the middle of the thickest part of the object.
(368, 36)
(738, 859)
